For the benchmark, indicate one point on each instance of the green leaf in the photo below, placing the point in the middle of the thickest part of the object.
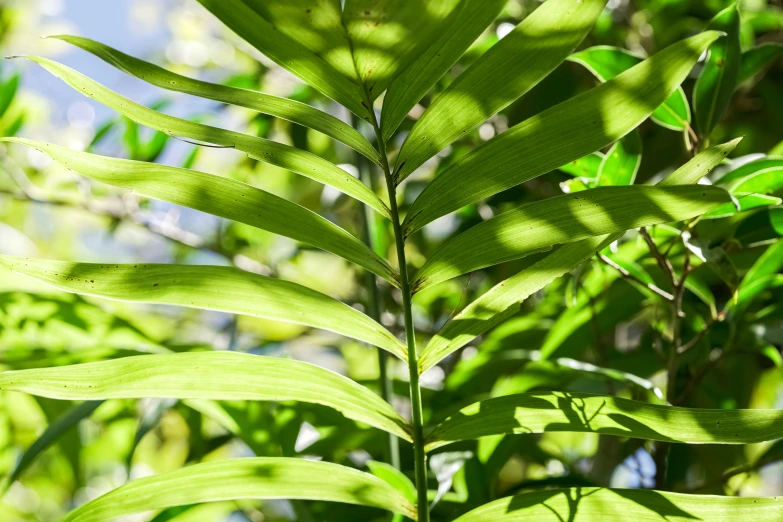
(248, 478)
(622, 162)
(763, 176)
(50, 437)
(505, 72)
(284, 156)
(465, 23)
(502, 301)
(386, 35)
(585, 413)
(760, 275)
(700, 165)
(8, 93)
(585, 167)
(209, 375)
(221, 288)
(718, 78)
(319, 57)
(286, 109)
(758, 58)
(745, 201)
(606, 62)
(395, 477)
(536, 227)
(222, 197)
(601, 505)
(563, 133)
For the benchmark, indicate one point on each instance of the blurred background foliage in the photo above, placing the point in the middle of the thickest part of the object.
(587, 323)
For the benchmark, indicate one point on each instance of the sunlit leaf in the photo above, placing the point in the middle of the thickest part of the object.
(537, 226)
(220, 288)
(319, 57)
(763, 176)
(394, 477)
(208, 375)
(606, 62)
(597, 505)
(745, 201)
(508, 70)
(464, 24)
(249, 478)
(291, 110)
(622, 162)
(757, 58)
(563, 133)
(222, 197)
(284, 156)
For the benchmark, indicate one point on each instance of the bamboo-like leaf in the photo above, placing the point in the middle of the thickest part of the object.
(221, 288)
(745, 202)
(700, 165)
(602, 505)
(248, 478)
(586, 413)
(508, 70)
(286, 109)
(502, 301)
(222, 197)
(50, 436)
(622, 162)
(537, 226)
(760, 276)
(395, 477)
(386, 35)
(284, 156)
(325, 63)
(606, 62)
(718, 78)
(465, 23)
(763, 176)
(208, 375)
(561, 134)
(585, 167)
(755, 59)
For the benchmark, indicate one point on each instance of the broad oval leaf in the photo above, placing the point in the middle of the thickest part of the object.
(248, 478)
(221, 288)
(502, 300)
(606, 62)
(586, 413)
(718, 78)
(50, 436)
(286, 109)
(464, 24)
(622, 162)
(209, 375)
(763, 176)
(505, 72)
(601, 505)
(284, 156)
(561, 134)
(537, 226)
(755, 59)
(327, 65)
(386, 35)
(222, 197)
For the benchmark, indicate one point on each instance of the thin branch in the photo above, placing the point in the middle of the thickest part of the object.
(627, 275)
(664, 263)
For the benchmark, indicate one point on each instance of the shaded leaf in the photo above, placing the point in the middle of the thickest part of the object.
(757, 58)
(745, 202)
(209, 375)
(622, 162)
(718, 78)
(763, 176)
(219, 288)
